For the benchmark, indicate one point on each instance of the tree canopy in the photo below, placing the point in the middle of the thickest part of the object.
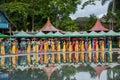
(32, 14)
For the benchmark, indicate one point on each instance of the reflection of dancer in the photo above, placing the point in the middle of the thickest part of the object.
(13, 61)
(2, 62)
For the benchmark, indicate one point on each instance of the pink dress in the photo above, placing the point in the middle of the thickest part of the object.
(41, 49)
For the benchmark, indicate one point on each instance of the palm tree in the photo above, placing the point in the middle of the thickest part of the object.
(111, 8)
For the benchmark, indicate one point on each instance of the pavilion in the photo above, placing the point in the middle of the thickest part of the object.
(5, 22)
(98, 27)
(48, 27)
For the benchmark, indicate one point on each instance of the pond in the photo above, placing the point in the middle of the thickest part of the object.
(62, 72)
(21, 70)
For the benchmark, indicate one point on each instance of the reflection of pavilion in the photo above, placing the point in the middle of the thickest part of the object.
(51, 68)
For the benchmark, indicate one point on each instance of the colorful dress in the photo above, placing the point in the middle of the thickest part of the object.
(53, 49)
(28, 47)
(13, 48)
(2, 49)
(58, 54)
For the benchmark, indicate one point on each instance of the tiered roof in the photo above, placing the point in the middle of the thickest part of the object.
(98, 27)
(49, 27)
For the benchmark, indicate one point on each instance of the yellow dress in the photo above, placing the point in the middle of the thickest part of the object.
(2, 49)
(28, 51)
(64, 56)
(90, 51)
(82, 49)
(97, 57)
(45, 55)
(13, 48)
(70, 54)
(28, 47)
(110, 50)
(58, 54)
(76, 54)
(53, 49)
(103, 49)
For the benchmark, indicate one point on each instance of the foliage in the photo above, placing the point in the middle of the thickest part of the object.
(88, 2)
(113, 14)
(69, 25)
(27, 14)
(82, 21)
(91, 22)
(30, 74)
(18, 13)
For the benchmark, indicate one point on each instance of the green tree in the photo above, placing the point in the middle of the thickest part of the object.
(32, 14)
(113, 14)
(91, 22)
(18, 13)
(69, 25)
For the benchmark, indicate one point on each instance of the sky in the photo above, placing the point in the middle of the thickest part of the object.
(98, 9)
(86, 76)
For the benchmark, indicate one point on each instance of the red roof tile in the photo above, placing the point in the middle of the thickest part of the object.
(98, 27)
(49, 27)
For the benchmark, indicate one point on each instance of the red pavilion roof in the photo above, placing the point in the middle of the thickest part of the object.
(99, 69)
(98, 27)
(49, 27)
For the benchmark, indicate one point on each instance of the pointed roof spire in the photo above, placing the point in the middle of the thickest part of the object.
(98, 27)
(49, 27)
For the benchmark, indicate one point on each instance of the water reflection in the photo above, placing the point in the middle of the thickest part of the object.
(65, 72)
